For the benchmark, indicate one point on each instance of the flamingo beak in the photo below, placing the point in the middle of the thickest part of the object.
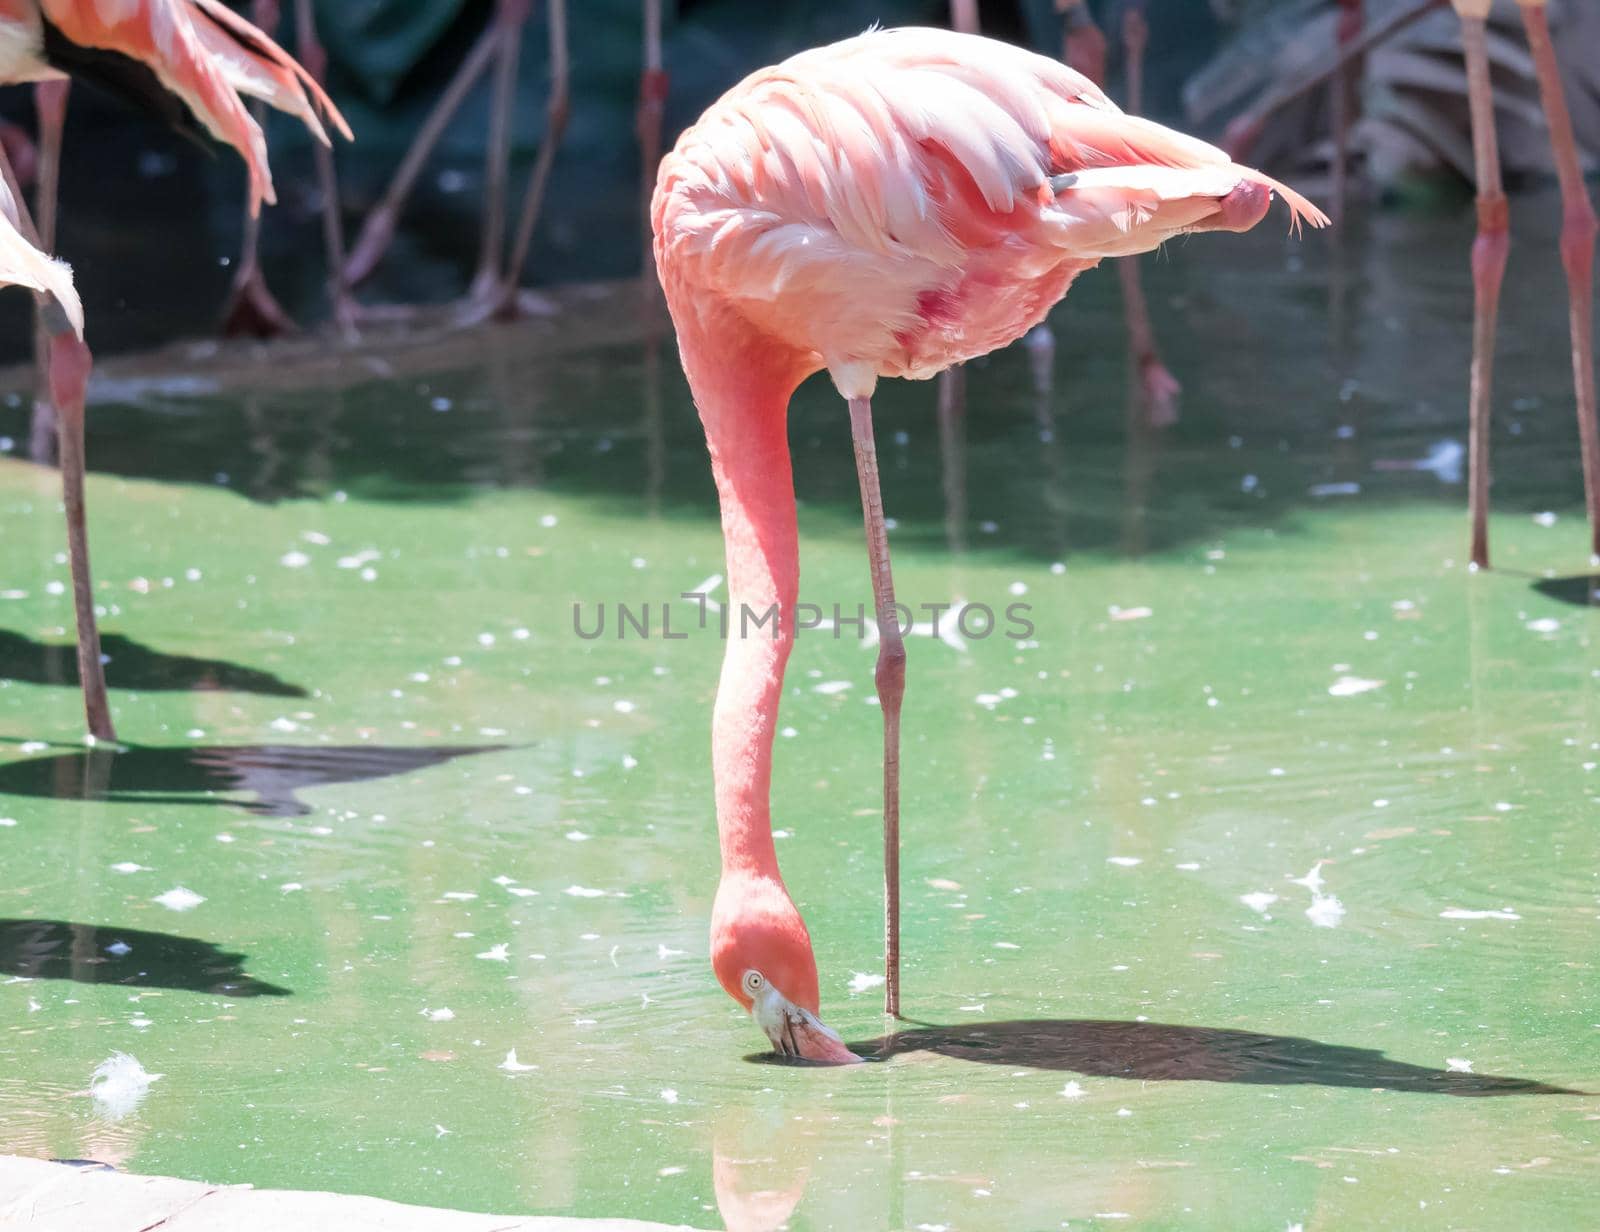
(1240, 210)
(795, 1031)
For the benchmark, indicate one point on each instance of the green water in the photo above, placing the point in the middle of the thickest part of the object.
(361, 603)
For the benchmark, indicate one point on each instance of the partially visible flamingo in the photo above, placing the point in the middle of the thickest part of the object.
(885, 206)
(1489, 251)
(189, 60)
(22, 264)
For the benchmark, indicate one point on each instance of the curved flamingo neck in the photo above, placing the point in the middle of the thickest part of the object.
(742, 382)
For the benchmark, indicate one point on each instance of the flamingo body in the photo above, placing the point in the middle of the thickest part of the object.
(893, 203)
(886, 206)
(197, 50)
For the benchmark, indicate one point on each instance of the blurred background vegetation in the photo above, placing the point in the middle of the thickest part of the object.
(152, 267)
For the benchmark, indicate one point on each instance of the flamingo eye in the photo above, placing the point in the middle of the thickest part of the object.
(754, 981)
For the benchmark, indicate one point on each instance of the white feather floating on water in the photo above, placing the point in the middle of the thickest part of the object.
(513, 1066)
(118, 1084)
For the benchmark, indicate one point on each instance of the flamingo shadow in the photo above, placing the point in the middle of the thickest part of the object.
(134, 666)
(106, 954)
(1166, 1052)
(273, 773)
(1580, 589)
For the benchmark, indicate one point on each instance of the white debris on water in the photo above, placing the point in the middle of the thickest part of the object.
(119, 948)
(513, 1066)
(1545, 519)
(1464, 913)
(500, 952)
(179, 899)
(861, 981)
(294, 560)
(669, 1096)
(1350, 686)
(1129, 613)
(128, 866)
(1312, 880)
(1325, 911)
(1458, 1065)
(443, 1014)
(577, 836)
(578, 891)
(1073, 1090)
(623, 706)
(1545, 624)
(459, 896)
(829, 687)
(1124, 861)
(118, 1084)
(522, 891)
(1258, 901)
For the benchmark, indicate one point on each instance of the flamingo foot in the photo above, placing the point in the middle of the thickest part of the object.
(253, 311)
(1159, 390)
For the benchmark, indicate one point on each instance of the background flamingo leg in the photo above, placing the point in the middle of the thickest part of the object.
(1489, 252)
(890, 678)
(652, 112)
(377, 232)
(251, 309)
(509, 17)
(315, 61)
(1577, 254)
(508, 305)
(1345, 83)
(1159, 389)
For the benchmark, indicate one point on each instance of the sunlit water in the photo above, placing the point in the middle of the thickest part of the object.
(1256, 887)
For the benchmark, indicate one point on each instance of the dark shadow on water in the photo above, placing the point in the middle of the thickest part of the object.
(1163, 1052)
(273, 773)
(106, 954)
(1580, 590)
(134, 666)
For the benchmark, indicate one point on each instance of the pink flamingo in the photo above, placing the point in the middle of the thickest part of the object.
(886, 206)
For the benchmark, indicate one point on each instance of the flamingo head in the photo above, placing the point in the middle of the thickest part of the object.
(761, 953)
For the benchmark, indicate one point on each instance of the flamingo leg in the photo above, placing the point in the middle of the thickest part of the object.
(652, 109)
(1350, 21)
(67, 361)
(377, 232)
(251, 307)
(1489, 253)
(509, 17)
(1578, 228)
(555, 126)
(50, 102)
(1159, 387)
(70, 363)
(314, 58)
(891, 683)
